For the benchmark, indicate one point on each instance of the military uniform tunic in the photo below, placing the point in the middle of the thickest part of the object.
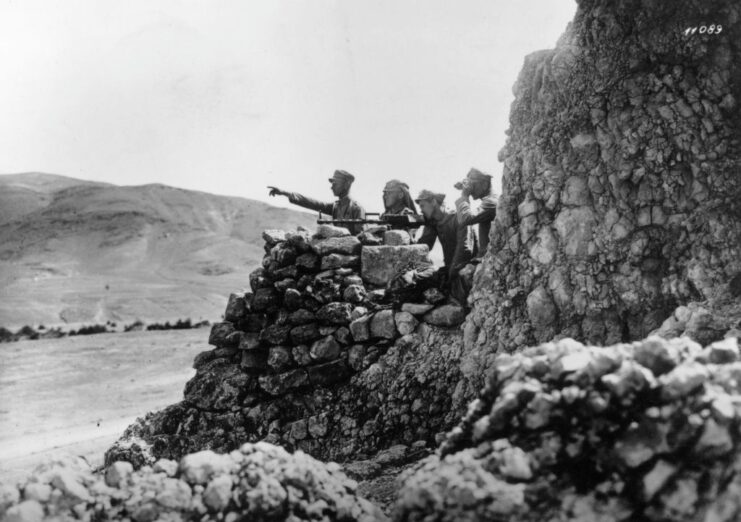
(454, 239)
(483, 217)
(343, 208)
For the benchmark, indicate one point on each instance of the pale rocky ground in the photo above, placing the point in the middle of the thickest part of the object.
(76, 394)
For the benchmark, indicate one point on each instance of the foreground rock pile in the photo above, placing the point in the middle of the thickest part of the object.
(562, 431)
(317, 356)
(257, 482)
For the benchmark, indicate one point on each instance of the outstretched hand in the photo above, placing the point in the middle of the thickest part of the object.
(275, 191)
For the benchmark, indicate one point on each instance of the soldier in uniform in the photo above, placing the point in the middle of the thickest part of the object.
(397, 199)
(478, 186)
(441, 224)
(343, 208)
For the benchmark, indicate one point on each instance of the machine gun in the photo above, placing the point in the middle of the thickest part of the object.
(396, 221)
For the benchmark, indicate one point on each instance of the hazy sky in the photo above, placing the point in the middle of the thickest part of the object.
(229, 96)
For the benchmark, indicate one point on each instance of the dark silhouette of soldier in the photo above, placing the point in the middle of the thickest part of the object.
(343, 208)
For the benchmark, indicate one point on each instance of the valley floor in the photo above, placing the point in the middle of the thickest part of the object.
(76, 395)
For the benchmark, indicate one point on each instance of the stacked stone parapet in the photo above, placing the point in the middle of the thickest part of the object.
(317, 310)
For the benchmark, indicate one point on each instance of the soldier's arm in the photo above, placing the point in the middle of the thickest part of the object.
(467, 216)
(311, 204)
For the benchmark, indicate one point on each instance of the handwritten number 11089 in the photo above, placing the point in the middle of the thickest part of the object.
(704, 29)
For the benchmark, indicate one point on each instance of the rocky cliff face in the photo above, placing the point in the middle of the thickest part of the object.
(621, 180)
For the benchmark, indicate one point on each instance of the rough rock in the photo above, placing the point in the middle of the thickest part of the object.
(339, 261)
(257, 482)
(348, 245)
(396, 238)
(416, 308)
(446, 315)
(405, 322)
(618, 187)
(379, 264)
(649, 451)
(335, 313)
(382, 325)
(328, 231)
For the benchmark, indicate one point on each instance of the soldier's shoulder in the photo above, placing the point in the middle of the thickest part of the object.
(354, 203)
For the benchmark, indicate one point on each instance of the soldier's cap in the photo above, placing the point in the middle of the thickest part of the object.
(477, 175)
(395, 184)
(426, 195)
(342, 175)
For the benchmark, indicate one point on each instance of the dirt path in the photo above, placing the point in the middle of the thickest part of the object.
(77, 394)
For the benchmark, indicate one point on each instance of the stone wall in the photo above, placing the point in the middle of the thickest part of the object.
(620, 184)
(317, 356)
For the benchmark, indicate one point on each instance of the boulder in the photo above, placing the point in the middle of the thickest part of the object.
(406, 323)
(304, 333)
(332, 261)
(301, 355)
(360, 328)
(275, 334)
(328, 231)
(417, 308)
(279, 358)
(301, 316)
(354, 294)
(273, 236)
(396, 238)
(325, 349)
(235, 308)
(446, 315)
(284, 382)
(254, 360)
(249, 341)
(379, 264)
(308, 261)
(222, 335)
(265, 299)
(292, 299)
(348, 245)
(335, 313)
(382, 325)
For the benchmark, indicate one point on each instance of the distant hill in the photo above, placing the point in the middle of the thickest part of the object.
(74, 251)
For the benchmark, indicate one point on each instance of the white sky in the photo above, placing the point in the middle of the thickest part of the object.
(229, 96)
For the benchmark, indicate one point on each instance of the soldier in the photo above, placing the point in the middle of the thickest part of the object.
(477, 185)
(396, 198)
(343, 208)
(442, 225)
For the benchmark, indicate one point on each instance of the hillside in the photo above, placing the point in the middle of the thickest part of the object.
(74, 251)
